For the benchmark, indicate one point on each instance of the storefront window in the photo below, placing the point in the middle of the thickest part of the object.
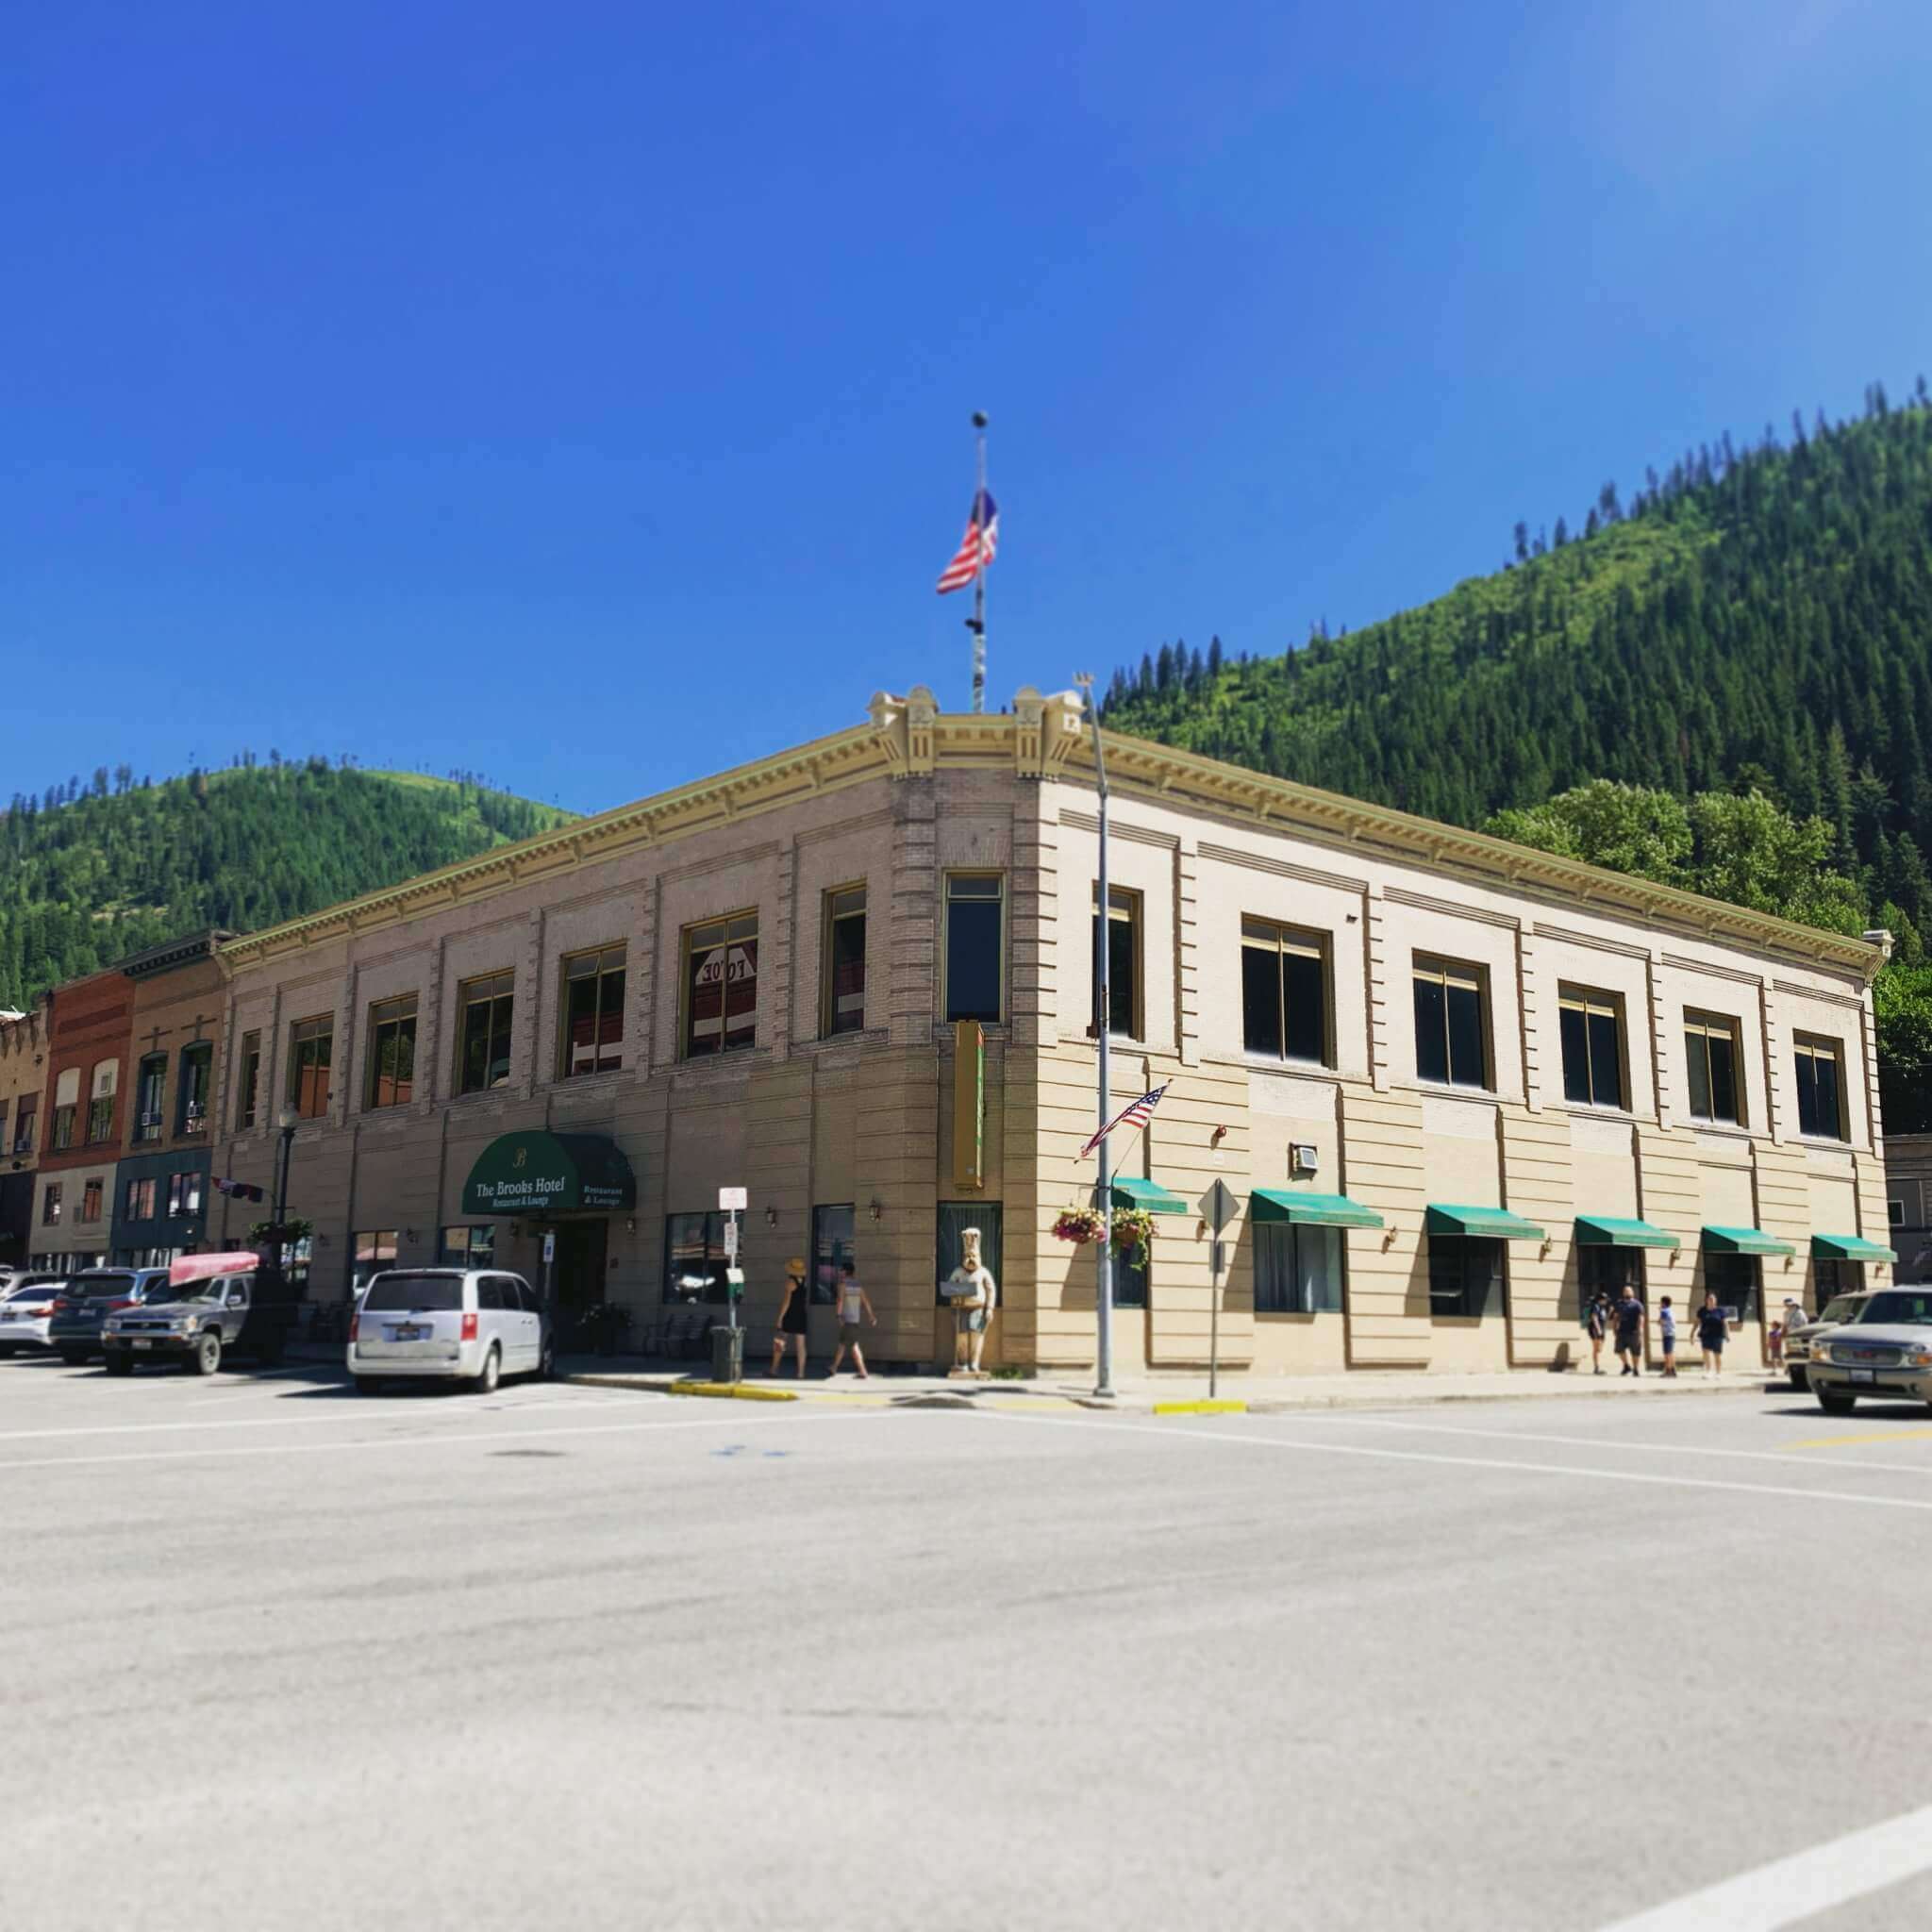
(1297, 1270)
(720, 985)
(467, 1247)
(831, 1245)
(1465, 1276)
(487, 1005)
(1734, 1279)
(375, 1249)
(694, 1261)
(594, 1012)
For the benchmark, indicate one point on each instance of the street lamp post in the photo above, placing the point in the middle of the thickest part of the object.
(286, 1121)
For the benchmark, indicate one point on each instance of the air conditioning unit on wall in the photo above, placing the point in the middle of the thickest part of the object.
(1302, 1157)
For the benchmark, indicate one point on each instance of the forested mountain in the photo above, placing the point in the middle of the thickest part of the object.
(89, 875)
(1748, 641)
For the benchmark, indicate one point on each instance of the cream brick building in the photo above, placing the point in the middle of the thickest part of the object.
(1454, 1084)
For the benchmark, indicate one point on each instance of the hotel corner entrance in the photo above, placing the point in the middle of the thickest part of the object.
(576, 1276)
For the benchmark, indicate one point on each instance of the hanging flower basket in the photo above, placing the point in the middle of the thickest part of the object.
(1081, 1226)
(1133, 1235)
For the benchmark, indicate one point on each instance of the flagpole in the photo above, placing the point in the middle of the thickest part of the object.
(976, 623)
(1103, 1187)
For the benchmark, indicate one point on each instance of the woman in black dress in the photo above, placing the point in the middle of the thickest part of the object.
(793, 1311)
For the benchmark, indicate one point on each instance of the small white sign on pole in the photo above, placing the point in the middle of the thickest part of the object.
(729, 1198)
(731, 1239)
(549, 1249)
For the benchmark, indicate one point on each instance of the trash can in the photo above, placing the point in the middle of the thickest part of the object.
(727, 1355)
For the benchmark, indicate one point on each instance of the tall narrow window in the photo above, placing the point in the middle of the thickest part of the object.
(720, 985)
(1821, 1088)
(374, 1250)
(1297, 1270)
(831, 1246)
(23, 1123)
(311, 1051)
(184, 1191)
(1123, 961)
(1465, 1276)
(150, 1093)
(50, 1206)
(392, 1078)
(89, 1201)
(975, 942)
(66, 1107)
(483, 1041)
(247, 1079)
(1592, 1029)
(1451, 1044)
(592, 1013)
(1710, 1067)
(100, 1106)
(1734, 1280)
(843, 999)
(694, 1257)
(197, 1070)
(1284, 993)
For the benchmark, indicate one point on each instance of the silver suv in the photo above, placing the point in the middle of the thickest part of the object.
(462, 1325)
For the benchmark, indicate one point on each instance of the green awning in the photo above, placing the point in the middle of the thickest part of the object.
(1608, 1231)
(1296, 1204)
(535, 1173)
(1150, 1197)
(1485, 1224)
(1848, 1247)
(1743, 1240)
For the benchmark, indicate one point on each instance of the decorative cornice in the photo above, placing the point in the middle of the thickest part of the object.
(910, 736)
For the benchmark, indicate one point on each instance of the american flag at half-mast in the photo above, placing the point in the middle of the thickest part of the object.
(1134, 1115)
(977, 547)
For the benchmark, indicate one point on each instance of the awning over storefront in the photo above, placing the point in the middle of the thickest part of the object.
(1610, 1231)
(1848, 1247)
(1150, 1197)
(1485, 1224)
(1743, 1240)
(535, 1173)
(1304, 1209)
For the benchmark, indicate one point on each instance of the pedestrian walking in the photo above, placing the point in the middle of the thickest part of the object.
(1629, 1317)
(854, 1306)
(794, 1316)
(1667, 1334)
(1597, 1320)
(1713, 1332)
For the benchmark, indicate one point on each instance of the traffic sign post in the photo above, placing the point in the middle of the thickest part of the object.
(549, 1257)
(1218, 1207)
(732, 1201)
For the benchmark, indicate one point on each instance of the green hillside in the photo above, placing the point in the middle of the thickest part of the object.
(87, 876)
(1746, 643)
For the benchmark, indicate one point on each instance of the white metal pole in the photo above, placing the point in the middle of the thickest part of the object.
(1103, 1191)
(976, 623)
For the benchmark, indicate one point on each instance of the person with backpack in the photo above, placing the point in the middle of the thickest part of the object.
(1597, 1321)
(854, 1306)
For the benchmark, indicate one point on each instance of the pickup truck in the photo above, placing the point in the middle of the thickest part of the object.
(216, 1305)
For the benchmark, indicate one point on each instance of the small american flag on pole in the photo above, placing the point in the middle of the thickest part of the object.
(1134, 1115)
(977, 547)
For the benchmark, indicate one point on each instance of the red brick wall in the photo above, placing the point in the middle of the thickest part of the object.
(94, 1021)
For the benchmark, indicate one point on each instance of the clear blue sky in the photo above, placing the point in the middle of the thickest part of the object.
(579, 394)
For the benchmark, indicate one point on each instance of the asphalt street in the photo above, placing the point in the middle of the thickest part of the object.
(273, 1655)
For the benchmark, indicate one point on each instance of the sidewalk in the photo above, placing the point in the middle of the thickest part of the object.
(1176, 1393)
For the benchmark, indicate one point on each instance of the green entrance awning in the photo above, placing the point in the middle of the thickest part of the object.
(1609, 1231)
(1150, 1197)
(1296, 1204)
(1743, 1240)
(1485, 1224)
(1848, 1247)
(535, 1173)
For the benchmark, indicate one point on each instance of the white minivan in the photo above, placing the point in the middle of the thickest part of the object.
(464, 1324)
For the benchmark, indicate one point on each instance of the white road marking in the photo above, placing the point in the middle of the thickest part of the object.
(1158, 1432)
(450, 1412)
(1792, 1890)
(1786, 1457)
(445, 1440)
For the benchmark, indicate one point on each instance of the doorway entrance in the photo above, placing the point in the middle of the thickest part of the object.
(577, 1277)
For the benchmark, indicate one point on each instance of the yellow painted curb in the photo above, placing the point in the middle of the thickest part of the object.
(735, 1391)
(1199, 1409)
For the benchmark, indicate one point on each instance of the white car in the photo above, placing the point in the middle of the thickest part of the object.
(460, 1324)
(27, 1301)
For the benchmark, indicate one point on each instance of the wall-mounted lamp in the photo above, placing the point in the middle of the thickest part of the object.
(631, 1226)
(770, 1217)
(1215, 1139)
(410, 1235)
(876, 1208)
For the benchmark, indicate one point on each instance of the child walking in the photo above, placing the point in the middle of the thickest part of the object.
(1667, 1330)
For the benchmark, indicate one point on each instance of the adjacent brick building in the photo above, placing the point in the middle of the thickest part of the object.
(23, 1077)
(82, 1111)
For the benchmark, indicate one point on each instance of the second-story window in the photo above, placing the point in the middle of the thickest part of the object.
(842, 1006)
(23, 1123)
(488, 1006)
(720, 985)
(1710, 1067)
(100, 1105)
(1451, 1030)
(90, 1202)
(197, 1075)
(66, 1107)
(1592, 1029)
(1821, 1088)
(975, 943)
(1123, 961)
(50, 1206)
(150, 1092)
(592, 1013)
(391, 1052)
(247, 1081)
(1284, 993)
(311, 1053)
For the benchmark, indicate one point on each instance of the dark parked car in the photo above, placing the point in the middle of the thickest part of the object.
(212, 1307)
(86, 1301)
